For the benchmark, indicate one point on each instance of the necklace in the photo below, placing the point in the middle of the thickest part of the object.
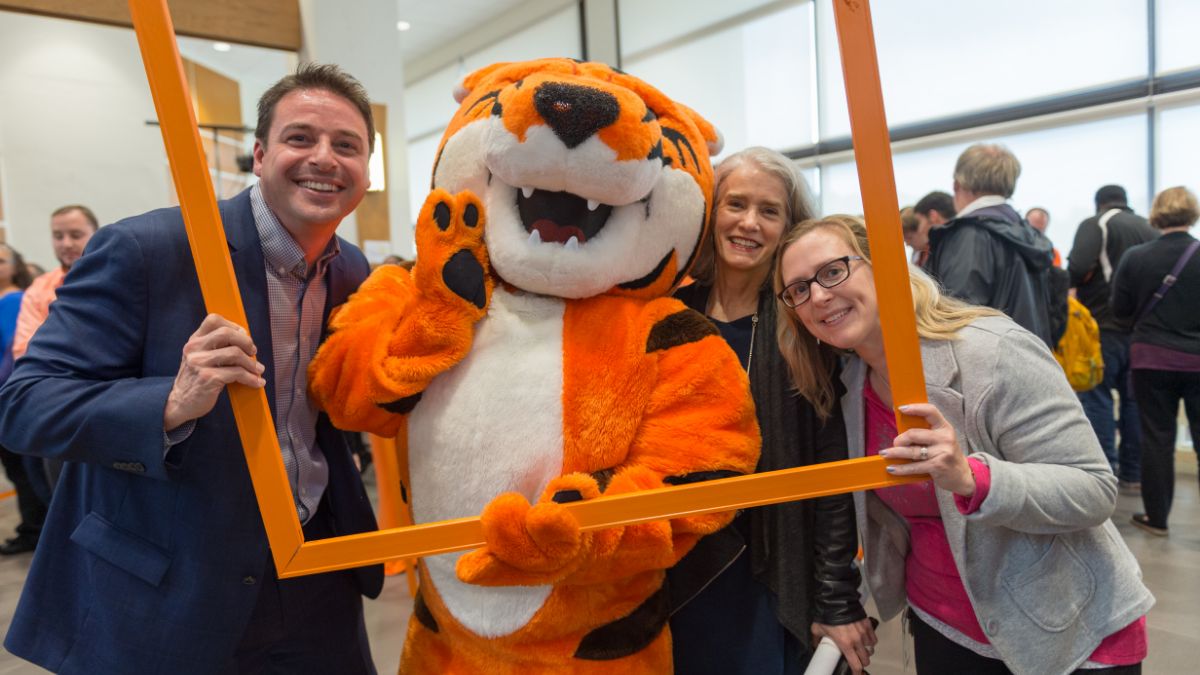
(753, 330)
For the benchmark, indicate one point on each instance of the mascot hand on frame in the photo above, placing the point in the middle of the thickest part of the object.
(534, 358)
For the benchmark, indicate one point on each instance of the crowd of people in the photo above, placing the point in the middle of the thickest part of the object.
(1005, 561)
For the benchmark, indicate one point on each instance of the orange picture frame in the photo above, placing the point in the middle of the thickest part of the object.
(294, 556)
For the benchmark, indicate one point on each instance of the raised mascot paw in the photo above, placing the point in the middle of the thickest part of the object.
(451, 257)
(526, 544)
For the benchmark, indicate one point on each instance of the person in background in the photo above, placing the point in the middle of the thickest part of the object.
(154, 558)
(748, 598)
(32, 497)
(71, 228)
(1006, 560)
(1165, 344)
(1100, 242)
(987, 255)
(933, 210)
(1039, 219)
(35, 270)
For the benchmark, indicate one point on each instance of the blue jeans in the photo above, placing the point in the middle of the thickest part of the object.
(1125, 457)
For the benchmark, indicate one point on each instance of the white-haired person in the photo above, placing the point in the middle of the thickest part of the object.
(1006, 561)
(748, 598)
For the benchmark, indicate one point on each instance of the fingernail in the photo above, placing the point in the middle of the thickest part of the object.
(905, 408)
(883, 453)
(261, 367)
(891, 469)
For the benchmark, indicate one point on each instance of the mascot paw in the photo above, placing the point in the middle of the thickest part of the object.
(450, 250)
(530, 545)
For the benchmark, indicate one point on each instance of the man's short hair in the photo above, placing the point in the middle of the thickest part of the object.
(988, 169)
(938, 201)
(87, 213)
(908, 220)
(323, 76)
(1111, 195)
(1040, 210)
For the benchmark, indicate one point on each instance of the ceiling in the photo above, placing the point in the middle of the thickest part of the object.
(435, 22)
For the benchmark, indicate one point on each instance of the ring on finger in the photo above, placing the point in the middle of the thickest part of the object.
(870, 650)
(924, 453)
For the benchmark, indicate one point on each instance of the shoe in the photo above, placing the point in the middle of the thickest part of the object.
(22, 543)
(1129, 488)
(1142, 521)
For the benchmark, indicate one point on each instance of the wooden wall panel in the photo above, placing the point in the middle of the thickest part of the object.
(265, 23)
(372, 213)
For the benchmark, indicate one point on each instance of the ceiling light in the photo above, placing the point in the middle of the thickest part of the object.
(403, 25)
(222, 46)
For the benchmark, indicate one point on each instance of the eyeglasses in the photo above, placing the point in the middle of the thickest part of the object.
(829, 275)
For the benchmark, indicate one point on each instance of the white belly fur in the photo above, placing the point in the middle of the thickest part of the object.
(490, 425)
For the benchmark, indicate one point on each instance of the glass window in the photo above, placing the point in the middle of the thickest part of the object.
(754, 81)
(945, 57)
(644, 25)
(1178, 48)
(1061, 169)
(1178, 147)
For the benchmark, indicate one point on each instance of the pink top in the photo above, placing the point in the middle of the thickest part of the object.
(932, 580)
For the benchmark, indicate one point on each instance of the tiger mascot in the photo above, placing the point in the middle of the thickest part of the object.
(531, 359)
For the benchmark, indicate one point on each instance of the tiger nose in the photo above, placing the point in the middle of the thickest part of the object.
(575, 113)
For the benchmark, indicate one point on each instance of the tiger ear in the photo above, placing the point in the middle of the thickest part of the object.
(712, 135)
(471, 81)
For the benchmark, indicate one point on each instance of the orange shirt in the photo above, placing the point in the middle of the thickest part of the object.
(35, 307)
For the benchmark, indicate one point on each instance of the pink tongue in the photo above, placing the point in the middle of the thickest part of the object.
(552, 231)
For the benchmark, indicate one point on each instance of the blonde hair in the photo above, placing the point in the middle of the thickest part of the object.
(796, 201)
(811, 363)
(1174, 207)
(987, 169)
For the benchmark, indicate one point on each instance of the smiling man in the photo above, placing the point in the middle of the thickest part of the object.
(153, 558)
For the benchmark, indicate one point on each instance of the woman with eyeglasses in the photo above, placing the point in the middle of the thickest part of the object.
(747, 598)
(1006, 561)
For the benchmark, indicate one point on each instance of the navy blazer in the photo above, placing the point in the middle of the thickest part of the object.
(148, 563)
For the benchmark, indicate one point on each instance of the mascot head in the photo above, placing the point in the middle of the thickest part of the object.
(594, 182)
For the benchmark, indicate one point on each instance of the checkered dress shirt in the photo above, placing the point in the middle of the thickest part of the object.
(296, 293)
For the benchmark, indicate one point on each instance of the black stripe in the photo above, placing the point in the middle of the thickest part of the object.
(603, 478)
(681, 328)
(681, 142)
(628, 635)
(402, 406)
(701, 476)
(421, 611)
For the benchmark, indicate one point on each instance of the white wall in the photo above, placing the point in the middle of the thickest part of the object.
(73, 109)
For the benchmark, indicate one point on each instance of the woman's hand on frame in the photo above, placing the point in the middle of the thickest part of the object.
(933, 451)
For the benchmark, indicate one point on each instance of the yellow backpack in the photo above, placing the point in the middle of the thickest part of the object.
(1078, 351)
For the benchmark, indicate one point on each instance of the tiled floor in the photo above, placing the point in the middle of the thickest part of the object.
(1171, 567)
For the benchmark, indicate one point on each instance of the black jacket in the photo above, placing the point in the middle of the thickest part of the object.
(803, 551)
(992, 257)
(1175, 321)
(1125, 230)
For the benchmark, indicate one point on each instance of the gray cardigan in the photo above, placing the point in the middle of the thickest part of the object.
(1047, 573)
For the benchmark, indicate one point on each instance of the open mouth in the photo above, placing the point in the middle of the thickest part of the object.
(560, 217)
